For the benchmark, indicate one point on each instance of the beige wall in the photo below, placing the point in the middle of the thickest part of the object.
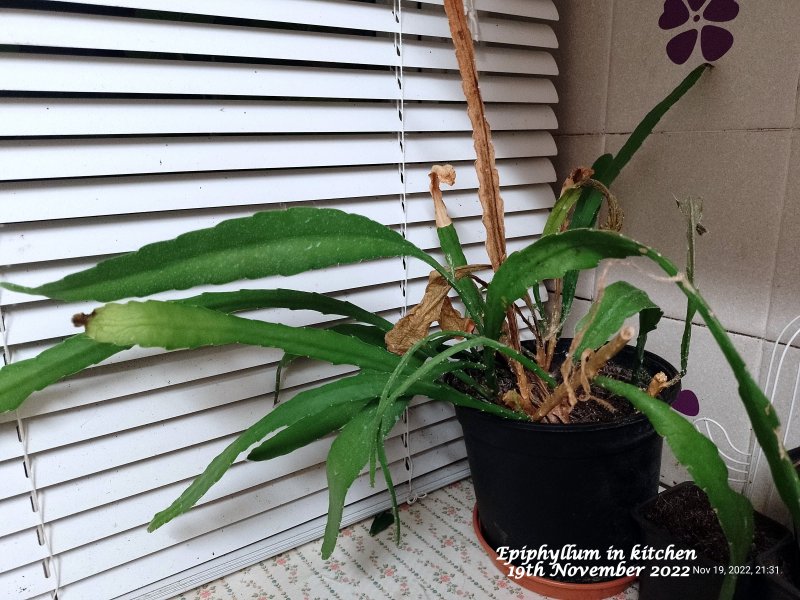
(734, 140)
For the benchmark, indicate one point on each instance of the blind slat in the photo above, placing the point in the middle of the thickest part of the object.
(534, 9)
(18, 515)
(342, 14)
(427, 422)
(325, 13)
(105, 117)
(44, 159)
(31, 201)
(179, 467)
(66, 74)
(20, 549)
(60, 30)
(78, 31)
(128, 576)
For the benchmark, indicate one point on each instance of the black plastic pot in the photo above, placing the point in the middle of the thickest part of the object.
(701, 578)
(783, 585)
(564, 485)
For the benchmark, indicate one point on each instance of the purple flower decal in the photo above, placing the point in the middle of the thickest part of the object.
(687, 403)
(715, 41)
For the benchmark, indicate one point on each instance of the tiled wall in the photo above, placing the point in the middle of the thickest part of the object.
(734, 140)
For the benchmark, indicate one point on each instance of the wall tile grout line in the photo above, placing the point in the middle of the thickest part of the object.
(605, 109)
(780, 228)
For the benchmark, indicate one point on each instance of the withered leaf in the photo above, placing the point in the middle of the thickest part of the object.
(452, 320)
(512, 400)
(444, 174)
(417, 322)
(576, 178)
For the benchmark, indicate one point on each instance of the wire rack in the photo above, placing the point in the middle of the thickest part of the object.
(745, 465)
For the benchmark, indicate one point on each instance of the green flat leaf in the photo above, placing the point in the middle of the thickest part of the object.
(349, 454)
(20, 379)
(686, 338)
(168, 325)
(310, 427)
(550, 257)
(561, 209)
(368, 334)
(649, 319)
(648, 123)
(401, 381)
(608, 167)
(588, 205)
(760, 411)
(381, 522)
(358, 388)
(230, 302)
(286, 360)
(280, 242)
(445, 393)
(466, 288)
(700, 457)
(387, 476)
(585, 215)
(619, 301)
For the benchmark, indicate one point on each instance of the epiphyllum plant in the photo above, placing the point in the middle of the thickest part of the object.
(399, 361)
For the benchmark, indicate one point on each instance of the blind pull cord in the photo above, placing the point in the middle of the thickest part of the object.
(49, 564)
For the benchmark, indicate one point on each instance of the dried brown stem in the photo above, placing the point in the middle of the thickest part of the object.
(527, 321)
(535, 327)
(551, 337)
(657, 383)
(593, 365)
(488, 179)
(441, 174)
(523, 383)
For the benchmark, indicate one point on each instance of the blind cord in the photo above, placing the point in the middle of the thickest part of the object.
(399, 72)
(49, 564)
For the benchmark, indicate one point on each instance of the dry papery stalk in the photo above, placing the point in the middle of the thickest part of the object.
(590, 366)
(441, 174)
(657, 383)
(576, 176)
(581, 178)
(488, 178)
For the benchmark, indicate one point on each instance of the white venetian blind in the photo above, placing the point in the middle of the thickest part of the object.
(124, 122)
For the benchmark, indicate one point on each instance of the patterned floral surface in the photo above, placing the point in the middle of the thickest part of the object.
(438, 558)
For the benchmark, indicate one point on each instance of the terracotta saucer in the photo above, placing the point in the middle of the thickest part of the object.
(549, 587)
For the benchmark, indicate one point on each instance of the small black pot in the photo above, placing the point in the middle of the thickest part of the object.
(561, 485)
(701, 578)
(774, 586)
(787, 558)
